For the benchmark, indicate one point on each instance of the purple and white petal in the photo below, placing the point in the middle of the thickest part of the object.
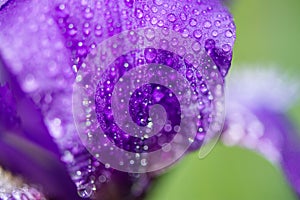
(257, 104)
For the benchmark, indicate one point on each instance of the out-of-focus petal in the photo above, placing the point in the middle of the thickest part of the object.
(32, 155)
(257, 104)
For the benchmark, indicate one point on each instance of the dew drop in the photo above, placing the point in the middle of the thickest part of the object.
(62, 6)
(150, 54)
(98, 30)
(228, 33)
(88, 13)
(85, 191)
(144, 162)
(158, 2)
(185, 33)
(30, 84)
(217, 23)
(226, 47)
(164, 44)
(86, 29)
(193, 22)
(181, 51)
(154, 20)
(183, 16)
(174, 41)
(203, 88)
(196, 46)
(154, 9)
(207, 24)
(197, 34)
(150, 34)
(189, 74)
(102, 179)
(139, 13)
(214, 33)
(171, 17)
(160, 23)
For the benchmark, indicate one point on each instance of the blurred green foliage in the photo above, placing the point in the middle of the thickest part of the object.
(268, 33)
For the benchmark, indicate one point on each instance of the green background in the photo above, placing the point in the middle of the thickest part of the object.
(268, 33)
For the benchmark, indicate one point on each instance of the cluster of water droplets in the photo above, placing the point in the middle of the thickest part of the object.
(83, 25)
(14, 188)
(133, 52)
(86, 27)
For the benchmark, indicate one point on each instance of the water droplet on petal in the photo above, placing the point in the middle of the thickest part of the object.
(150, 54)
(30, 84)
(196, 46)
(171, 17)
(150, 34)
(207, 24)
(197, 34)
(139, 13)
(228, 33)
(214, 33)
(185, 33)
(158, 2)
(183, 16)
(193, 22)
(181, 51)
(88, 13)
(226, 47)
(98, 30)
(154, 20)
(217, 23)
(85, 191)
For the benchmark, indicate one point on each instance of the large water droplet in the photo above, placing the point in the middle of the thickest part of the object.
(139, 13)
(85, 191)
(217, 23)
(158, 2)
(226, 47)
(193, 22)
(183, 16)
(150, 34)
(228, 33)
(196, 46)
(88, 14)
(150, 54)
(197, 34)
(171, 17)
(207, 24)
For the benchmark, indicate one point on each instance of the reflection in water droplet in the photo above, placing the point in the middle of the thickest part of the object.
(158, 2)
(217, 23)
(193, 22)
(214, 33)
(226, 47)
(197, 34)
(207, 24)
(150, 34)
(196, 46)
(85, 191)
(150, 54)
(183, 16)
(228, 33)
(139, 13)
(171, 17)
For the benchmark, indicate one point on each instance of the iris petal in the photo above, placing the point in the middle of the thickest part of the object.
(257, 118)
(44, 43)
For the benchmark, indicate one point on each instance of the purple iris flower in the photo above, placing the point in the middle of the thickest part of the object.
(257, 118)
(43, 45)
